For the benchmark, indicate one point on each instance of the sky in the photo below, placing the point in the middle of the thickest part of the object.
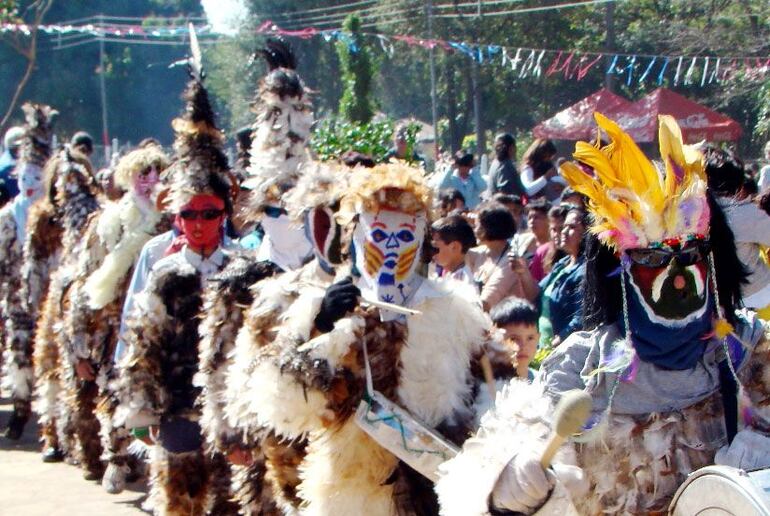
(224, 15)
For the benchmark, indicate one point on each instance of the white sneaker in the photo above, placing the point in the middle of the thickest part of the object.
(114, 479)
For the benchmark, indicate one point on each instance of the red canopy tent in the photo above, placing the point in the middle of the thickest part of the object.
(640, 119)
(577, 121)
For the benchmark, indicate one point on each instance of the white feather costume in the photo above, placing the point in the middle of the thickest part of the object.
(663, 425)
(113, 239)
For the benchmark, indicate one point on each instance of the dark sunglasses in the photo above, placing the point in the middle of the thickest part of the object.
(274, 212)
(210, 214)
(691, 254)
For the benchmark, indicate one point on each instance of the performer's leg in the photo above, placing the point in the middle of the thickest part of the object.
(252, 490)
(17, 372)
(220, 496)
(178, 483)
(283, 460)
(86, 428)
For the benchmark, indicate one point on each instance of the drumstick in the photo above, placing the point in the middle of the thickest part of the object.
(389, 306)
(570, 415)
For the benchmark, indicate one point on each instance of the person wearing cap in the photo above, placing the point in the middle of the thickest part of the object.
(83, 142)
(12, 143)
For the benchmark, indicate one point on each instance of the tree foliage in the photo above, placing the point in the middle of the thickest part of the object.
(357, 70)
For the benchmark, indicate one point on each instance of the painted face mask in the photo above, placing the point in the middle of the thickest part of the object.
(669, 302)
(30, 181)
(201, 221)
(145, 181)
(387, 250)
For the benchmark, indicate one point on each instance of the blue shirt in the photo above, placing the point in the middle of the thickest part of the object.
(471, 188)
(562, 298)
(7, 178)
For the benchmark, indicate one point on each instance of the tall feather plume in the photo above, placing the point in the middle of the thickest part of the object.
(38, 133)
(633, 203)
(200, 159)
(284, 117)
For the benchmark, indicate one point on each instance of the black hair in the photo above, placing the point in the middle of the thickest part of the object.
(764, 201)
(148, 142)
(354, 159)
(538, 150)
(503, 142)
(463, 159)
(495, 222)
(514, 310)
(540, 205)
(724, 171)
(448, 196)
(569, 192)
(602, 294)
(454, 228)
(559, 211)
(507, 199)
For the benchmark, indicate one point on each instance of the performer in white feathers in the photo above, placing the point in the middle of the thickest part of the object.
(54, 240)
(113, 239)
(157, 397)
(311, 378)
(269, 473)
(17, 325)
(663, 338)
(277, 154)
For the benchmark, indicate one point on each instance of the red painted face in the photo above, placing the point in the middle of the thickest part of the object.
(201, 220)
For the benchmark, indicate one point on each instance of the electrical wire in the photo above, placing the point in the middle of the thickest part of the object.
(524, 10)
(324, 9)
(365, 17)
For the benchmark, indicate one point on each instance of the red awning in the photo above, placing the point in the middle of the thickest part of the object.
(698, 122)
(577, 121)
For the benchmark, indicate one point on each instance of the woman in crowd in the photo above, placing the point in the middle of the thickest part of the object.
(549, 253)
(538, 172)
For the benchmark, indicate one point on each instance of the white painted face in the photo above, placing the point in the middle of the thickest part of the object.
(387, 250)
(30, 180)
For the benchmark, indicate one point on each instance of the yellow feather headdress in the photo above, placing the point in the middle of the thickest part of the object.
(633, 203)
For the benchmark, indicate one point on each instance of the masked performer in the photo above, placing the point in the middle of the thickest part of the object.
(113, 239)
(55, 232)
(268, 474)
(18, 321)
(155, 384)
(280, 132)
(663, 282)
(313, 375)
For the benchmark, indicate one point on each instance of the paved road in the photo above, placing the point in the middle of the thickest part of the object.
(30, 487)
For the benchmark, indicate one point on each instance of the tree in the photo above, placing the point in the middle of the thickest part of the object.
(357, 70)
(24, 44)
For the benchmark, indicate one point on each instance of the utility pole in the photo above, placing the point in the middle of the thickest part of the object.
(475, 82)
(434, 108)
(609, 21)
(103, 88)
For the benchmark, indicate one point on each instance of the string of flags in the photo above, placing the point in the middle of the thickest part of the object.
(524, 63)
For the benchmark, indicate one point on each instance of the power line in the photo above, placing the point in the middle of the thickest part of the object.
(556, 7)
(365, 17)
(325, 9)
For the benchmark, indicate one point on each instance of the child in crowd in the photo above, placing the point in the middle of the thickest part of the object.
(451, 201)
(452, 238)
(518, 318)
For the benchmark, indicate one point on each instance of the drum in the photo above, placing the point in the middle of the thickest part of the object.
(723, 491)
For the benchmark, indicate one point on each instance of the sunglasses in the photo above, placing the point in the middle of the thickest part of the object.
(691, 254)
(210, 214)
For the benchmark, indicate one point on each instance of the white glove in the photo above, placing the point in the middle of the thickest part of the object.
(523, 485)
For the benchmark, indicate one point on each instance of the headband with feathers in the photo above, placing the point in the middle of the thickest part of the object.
(38, 133)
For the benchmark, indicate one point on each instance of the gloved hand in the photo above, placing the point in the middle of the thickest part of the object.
(340, 298)
(523, 486)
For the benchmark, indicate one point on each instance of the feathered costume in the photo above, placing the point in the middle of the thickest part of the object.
(273, 477)
(155, 385)
(55, 239)
(277, 152)
(113, 239)
(308, 384)
(18, 316)
(652, 425)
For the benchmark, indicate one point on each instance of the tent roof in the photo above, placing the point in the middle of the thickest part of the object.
(698, 122)
(577, 121)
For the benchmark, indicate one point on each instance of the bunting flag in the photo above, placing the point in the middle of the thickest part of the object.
(524, 63)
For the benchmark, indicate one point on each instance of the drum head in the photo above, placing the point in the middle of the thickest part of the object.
(721, 491)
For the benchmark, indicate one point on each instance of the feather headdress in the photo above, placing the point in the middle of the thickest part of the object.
(281, 130)
(38, 133)
(201, 165)
(390, 186)
(319, 184)
(633, 203)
